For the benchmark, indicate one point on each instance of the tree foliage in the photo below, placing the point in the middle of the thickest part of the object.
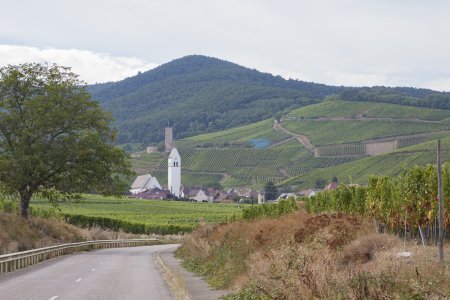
(270, 191)
(53, 139)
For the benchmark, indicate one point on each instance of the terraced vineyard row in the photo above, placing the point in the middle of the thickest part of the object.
(333, 109)
(352, 109)
(410, 141)
(310, 164)
(342, 132)
(261, 130)
(341, 150)
(390, 164)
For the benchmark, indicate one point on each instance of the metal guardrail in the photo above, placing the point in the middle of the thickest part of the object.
(19, 260)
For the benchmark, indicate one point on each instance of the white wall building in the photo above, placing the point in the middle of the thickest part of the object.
(144, 183)
(174, 173)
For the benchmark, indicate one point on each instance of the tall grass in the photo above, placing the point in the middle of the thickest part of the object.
(303, 256)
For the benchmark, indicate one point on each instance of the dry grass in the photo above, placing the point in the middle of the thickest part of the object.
(302, 256)
(18, 235)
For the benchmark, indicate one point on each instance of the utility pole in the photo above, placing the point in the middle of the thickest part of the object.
(441, 204)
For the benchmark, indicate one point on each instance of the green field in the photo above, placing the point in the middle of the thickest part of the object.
(142, 216)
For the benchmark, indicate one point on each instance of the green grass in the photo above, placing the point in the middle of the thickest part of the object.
(149, 213)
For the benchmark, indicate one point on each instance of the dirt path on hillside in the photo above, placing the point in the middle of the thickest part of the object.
(303, 139)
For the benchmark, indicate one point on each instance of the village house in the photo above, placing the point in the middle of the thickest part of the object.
(153, 194)
(199, 195)
(332, 186)
(144, 183)
(308, 193)
(285, 196)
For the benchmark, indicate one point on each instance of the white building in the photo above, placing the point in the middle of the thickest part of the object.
(174, 173)
(144, 183)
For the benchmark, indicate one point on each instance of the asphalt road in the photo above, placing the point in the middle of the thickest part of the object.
(122, 273)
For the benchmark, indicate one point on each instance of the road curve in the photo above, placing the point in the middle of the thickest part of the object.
(121, 273)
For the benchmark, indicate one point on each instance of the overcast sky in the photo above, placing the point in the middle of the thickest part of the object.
(339, 42)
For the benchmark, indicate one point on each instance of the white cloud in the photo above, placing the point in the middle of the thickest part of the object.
(401, 43)
(441, 84)
(92, 67)
(357, 79)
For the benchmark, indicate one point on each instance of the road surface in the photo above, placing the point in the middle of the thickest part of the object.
(121, 273)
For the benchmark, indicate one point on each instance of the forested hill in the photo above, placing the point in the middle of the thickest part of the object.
(199, 94)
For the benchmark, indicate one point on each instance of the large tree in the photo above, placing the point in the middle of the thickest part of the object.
(53, 137)
(270, 191)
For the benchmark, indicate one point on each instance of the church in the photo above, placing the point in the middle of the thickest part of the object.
(174, 173)
(145, 186)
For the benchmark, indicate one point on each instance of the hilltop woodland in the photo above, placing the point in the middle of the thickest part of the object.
(198, 94)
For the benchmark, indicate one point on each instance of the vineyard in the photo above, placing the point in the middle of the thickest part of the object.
(341, 150)
(254, 154)
(410, 198)
(140, 216)
(390, 164)
(352, 131)
(351, 109)
(258, 131)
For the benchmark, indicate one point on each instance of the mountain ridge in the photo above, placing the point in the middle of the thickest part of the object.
(200, 94)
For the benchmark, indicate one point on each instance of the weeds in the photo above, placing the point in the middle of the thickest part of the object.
(303, 256)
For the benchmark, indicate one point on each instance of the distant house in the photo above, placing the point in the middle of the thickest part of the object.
(308, 193)
(233, 192)
(285, 196)
(144, 183)
(153, 194)
(221, 196)
(331, 186)
(199, 195)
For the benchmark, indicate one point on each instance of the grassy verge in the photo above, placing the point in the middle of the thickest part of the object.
(300, 255)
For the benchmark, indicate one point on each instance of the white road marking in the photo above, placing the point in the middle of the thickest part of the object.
(79, 279)
(93, 270)
(53, 298)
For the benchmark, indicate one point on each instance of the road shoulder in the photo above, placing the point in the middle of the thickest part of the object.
(184, 284)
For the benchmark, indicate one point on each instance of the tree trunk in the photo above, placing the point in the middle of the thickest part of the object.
(25, 197)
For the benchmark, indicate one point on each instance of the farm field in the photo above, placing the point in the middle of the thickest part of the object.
(141, 216)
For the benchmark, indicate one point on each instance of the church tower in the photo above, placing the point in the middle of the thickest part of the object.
(168, 139)
(174, 173)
